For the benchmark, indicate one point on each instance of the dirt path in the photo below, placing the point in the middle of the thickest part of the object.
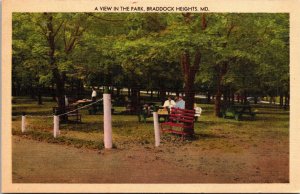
(39, 162)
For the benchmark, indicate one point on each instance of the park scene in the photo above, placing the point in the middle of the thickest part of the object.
(150, 98)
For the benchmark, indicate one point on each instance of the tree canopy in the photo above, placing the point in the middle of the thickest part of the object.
(218, 54)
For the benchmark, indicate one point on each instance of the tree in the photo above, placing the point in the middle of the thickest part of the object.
(216, 53)
(29, 64)
(61, 33)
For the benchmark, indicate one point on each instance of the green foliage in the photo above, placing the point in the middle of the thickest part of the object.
(143, 49)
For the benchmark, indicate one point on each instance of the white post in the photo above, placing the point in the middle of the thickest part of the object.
(156, 129)
(107, 121)
(23, 123)
(56, 126)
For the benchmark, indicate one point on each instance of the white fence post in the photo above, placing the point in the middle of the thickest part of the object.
(107, 121)
(156, 129)
(23, 123)
(56, 126)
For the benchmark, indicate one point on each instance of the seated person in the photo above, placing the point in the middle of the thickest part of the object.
(146, 110)
(169, 103)
(180, 103)
(198, 111)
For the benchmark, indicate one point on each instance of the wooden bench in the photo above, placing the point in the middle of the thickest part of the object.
(146, 111)
(179, 120)
(75, 114)
(237, 111)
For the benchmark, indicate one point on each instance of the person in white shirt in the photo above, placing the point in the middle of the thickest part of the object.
(66, 101)
(94, 94)
(169, 103)
(198, 111)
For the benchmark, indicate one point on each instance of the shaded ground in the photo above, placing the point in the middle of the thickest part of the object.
(39, 162)
(224, 150)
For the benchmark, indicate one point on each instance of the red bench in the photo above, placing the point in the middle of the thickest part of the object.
(179, 120)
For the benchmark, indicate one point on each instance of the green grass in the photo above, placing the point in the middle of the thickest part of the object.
(211, 132)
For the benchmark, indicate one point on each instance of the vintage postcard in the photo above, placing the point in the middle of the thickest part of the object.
(149, 96)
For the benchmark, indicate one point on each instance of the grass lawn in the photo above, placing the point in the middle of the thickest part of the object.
(221, 144)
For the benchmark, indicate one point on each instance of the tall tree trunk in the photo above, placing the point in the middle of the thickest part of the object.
(112, 91)
(39, 94)
(129, 93)
(53, 91)
(151, 94)
(18, 89)
(281, 100)
(60, 92)
(14, 88)
(162, 92)
(255, 99)
(286, 101)
(78, 89)
(58, 78)
(208, 97)
(225, 95)
(218, 97)
(189, 73)
(134, 99)
(72, 86)
(32, 92)
(222, 70)
(118, 91)
(245, 97)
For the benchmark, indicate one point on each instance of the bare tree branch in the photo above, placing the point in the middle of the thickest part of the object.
(58, 28)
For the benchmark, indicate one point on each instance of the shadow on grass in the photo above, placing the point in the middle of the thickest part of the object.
(274, 113)
(270, 118)
(82, 127)
(36, 113)
(199, 136)
(195, 137)
(209, 124)
(48, 137)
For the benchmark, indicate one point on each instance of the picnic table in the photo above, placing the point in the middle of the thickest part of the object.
(147, 110)
(82, 102)
(73, 112)
(237, 111)
(93, 109)
(163, 113)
